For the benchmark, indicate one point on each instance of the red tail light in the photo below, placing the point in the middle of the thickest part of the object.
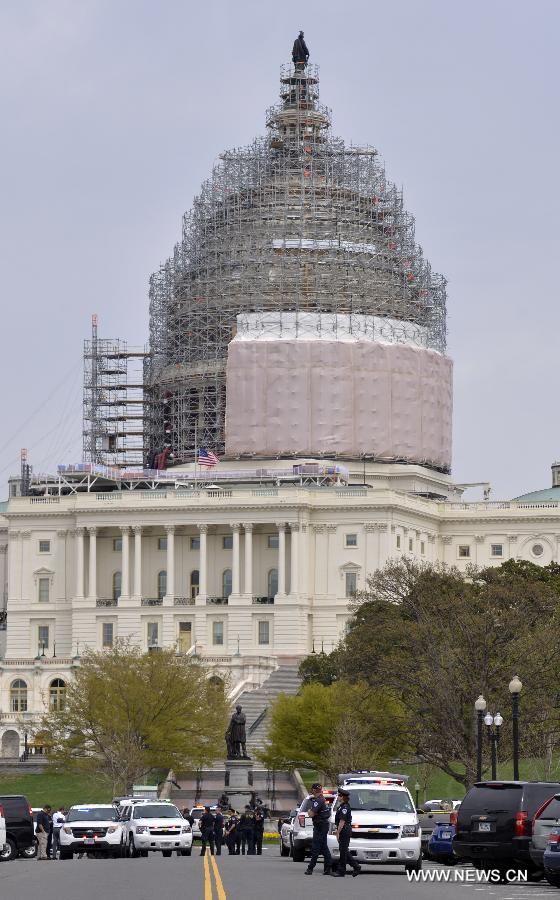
(301, 820)
(453, 817)
(554, 838)
(2, 812)
(30, 811)
(523, 826)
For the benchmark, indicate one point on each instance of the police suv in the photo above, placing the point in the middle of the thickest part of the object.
(385, 829)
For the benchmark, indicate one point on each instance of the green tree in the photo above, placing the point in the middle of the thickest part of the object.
(437, 638)
(331, 728)
(127, 713)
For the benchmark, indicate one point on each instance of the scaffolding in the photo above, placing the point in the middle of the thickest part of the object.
(113, 407)
(297, 222)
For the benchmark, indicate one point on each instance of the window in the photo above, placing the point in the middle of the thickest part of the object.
(162, 584)
(44, 590)
(162, 543)
(107, 634)
(272, 583)
(351, 540)
(18, 696)
(117, 545)
(410, 545)
(464, 551)
(117, 585)
(43, 637)
(44, 546)
(218, 633)
(226, 583)
(264, 632)
(422, 548)
(496, 549)
(227, 542)
(57, 694)
(537, 549)
(272, 541)
(153, 634)
(351, 583)
(195, 543)
(195, 583)
(398, 542)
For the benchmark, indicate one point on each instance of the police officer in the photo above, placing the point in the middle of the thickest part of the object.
(319, 812)
(258, 829)
(247, 828)
(233, 835)
(207, 831)
(218, 832)
(343, 822)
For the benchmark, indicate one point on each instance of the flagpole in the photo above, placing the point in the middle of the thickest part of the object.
(195, 452)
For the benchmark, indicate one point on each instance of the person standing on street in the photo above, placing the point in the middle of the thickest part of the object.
(246, 827)
(233, 837)
(58, 820)
(44, 825)
(207, 831)
(319, 813)
(218, 832)
(259, 829)
(343, 822)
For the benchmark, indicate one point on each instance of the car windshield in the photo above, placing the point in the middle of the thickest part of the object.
(92, 814)
(382, 799)
(156, 811)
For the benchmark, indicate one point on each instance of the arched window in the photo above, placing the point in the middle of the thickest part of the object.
(57, 694)
(18, 696)
(195, 583)
(117, 585)
(272, 583)
(162, 584)
(226, 583)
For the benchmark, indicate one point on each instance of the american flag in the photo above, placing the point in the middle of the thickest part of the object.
(207, 458)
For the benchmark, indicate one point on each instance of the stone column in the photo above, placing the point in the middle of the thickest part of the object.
(248, 586)
(479, 549)
(80, 562)
(371, 558)
(137, 560)
(60, 567)
(92, 581)
(294, 529)
(281, 526)
(170, 529)
(320, 559)
(26, 589)
(512, 549)
(125, 561)
(384, 553)
(235, 527)
(203, 563)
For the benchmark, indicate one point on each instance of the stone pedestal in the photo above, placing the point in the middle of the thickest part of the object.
(239, 782)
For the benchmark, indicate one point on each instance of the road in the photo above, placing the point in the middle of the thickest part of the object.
(266, 877)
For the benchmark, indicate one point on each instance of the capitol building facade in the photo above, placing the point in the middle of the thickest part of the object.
(298, 333)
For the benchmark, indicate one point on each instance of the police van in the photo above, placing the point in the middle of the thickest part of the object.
(385, 828)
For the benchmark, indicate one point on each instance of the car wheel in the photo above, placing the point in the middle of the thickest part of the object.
(298, 854)
(143, 852)
(132, 851)
(186, 852)
(29, 852)
(9, 850)
(414, 867)
(552, 878)
(166, 852)
(66, 854)
(284, 851)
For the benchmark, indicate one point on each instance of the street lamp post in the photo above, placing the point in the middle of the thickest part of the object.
(480, 706)
(515, 686)
(494, 735)
(417, 789)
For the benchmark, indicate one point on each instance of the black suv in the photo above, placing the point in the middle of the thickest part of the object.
(494, 823)
(20, 834)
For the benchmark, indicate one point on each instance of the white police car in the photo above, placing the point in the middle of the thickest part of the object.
(385, 828)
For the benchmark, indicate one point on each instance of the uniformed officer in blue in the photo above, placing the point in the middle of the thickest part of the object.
(319, 813)
(343, 822)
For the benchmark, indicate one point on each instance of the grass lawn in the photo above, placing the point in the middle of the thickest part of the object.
(59, 789)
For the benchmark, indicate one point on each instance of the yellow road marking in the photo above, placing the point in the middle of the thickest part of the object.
(207, 880)
(217, 877)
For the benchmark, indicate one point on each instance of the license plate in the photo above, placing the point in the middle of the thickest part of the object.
(373, 854)
(89, 841)
(484, 826)
(445, 835)
(166, 843)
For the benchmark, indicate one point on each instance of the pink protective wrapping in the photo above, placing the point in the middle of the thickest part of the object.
(332, 397)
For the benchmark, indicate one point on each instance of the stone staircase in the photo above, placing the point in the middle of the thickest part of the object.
(284, 680)
(278, 791)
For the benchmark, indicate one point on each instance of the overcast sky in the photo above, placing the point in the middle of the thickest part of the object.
(113, 112)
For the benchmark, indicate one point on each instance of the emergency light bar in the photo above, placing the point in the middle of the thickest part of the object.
(372, 778)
